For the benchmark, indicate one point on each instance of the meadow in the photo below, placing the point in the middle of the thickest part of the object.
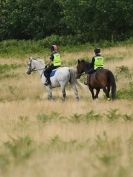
(59, 139)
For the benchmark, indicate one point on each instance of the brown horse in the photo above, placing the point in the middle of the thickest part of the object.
(100, 79)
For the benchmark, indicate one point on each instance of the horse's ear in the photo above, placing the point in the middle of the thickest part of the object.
(78, 61)
(30, 58)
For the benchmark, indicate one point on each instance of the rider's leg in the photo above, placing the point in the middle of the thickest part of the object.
(47, 75)
(48, 72)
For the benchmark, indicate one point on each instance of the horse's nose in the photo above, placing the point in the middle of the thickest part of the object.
(28, 72)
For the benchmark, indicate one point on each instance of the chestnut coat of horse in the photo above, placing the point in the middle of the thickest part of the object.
(100, 79)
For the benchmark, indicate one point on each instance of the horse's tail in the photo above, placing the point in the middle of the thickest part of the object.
(72, 75)
(111, 79)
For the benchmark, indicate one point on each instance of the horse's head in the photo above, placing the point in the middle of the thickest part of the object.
(35, 64)
(31, 66)
(81, 67)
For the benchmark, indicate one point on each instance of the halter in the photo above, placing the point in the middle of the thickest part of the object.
(33, 69)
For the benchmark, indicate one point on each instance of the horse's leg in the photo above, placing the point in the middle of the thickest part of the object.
(63, 91)
(49, 92)
(73, 82)
(106, 91)
(75, 91)
(97, 92)
(92, 92)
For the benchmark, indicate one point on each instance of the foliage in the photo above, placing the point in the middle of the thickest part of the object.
(89, 20)
(22, 48)
(113, 114)
(125, 93)
(45, 117)
(7, 70)
(110, 115)
(123, 71)
(15, 151)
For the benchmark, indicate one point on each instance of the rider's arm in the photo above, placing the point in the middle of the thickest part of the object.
(92, 62)
(50, 60)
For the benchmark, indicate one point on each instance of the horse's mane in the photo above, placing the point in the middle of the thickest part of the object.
(38, 59)
(84, 61)
(87, 64)
(41, 60)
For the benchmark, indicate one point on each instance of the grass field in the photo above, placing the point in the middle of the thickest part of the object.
(54, 139)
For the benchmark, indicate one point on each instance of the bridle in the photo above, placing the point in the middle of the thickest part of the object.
(34, 69)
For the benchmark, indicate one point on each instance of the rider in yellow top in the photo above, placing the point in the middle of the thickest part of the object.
(53, 63)
(97, 61)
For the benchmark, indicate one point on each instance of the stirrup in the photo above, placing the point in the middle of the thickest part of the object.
(46, 83)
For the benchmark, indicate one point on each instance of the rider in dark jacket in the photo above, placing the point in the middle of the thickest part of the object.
(53, 63)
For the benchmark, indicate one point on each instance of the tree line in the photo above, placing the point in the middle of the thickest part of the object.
(88, 20)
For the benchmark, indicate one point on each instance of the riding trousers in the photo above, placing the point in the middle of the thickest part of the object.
(48, 71)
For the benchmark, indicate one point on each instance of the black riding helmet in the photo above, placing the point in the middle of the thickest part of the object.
(97, 50)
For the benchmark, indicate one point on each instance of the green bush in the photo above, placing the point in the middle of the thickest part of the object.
(48, 117)
(20, 148)
(6, 67)
(15, 151)
(125, 93)
(71, 43)
(123, 71)
(113, 114)
(7, 70)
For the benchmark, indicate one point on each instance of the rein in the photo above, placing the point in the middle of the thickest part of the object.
(38, 69)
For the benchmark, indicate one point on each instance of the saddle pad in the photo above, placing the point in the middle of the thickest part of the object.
(53, 72)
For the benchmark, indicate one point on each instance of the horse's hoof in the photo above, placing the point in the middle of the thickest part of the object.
(50, 98)
(63, 100)
(109, 99)
(77, 98)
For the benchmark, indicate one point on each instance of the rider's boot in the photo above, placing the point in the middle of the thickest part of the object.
(48, 82)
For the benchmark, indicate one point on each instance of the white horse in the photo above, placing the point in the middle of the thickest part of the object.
(62, 76)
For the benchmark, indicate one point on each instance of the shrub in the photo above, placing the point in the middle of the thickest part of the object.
(123, 71)
(45, 117)
(20, 148)
(92, 116)
(113, 114)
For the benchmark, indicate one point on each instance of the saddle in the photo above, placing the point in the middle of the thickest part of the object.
(93, 73)
(53, 72)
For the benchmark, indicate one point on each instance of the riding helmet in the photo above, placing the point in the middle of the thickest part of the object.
(97, 50)
(54, 48)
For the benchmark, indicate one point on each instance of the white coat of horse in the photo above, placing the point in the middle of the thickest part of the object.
(62, 76)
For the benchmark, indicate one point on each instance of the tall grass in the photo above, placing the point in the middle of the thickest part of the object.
(11, 48)
(50, 138)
